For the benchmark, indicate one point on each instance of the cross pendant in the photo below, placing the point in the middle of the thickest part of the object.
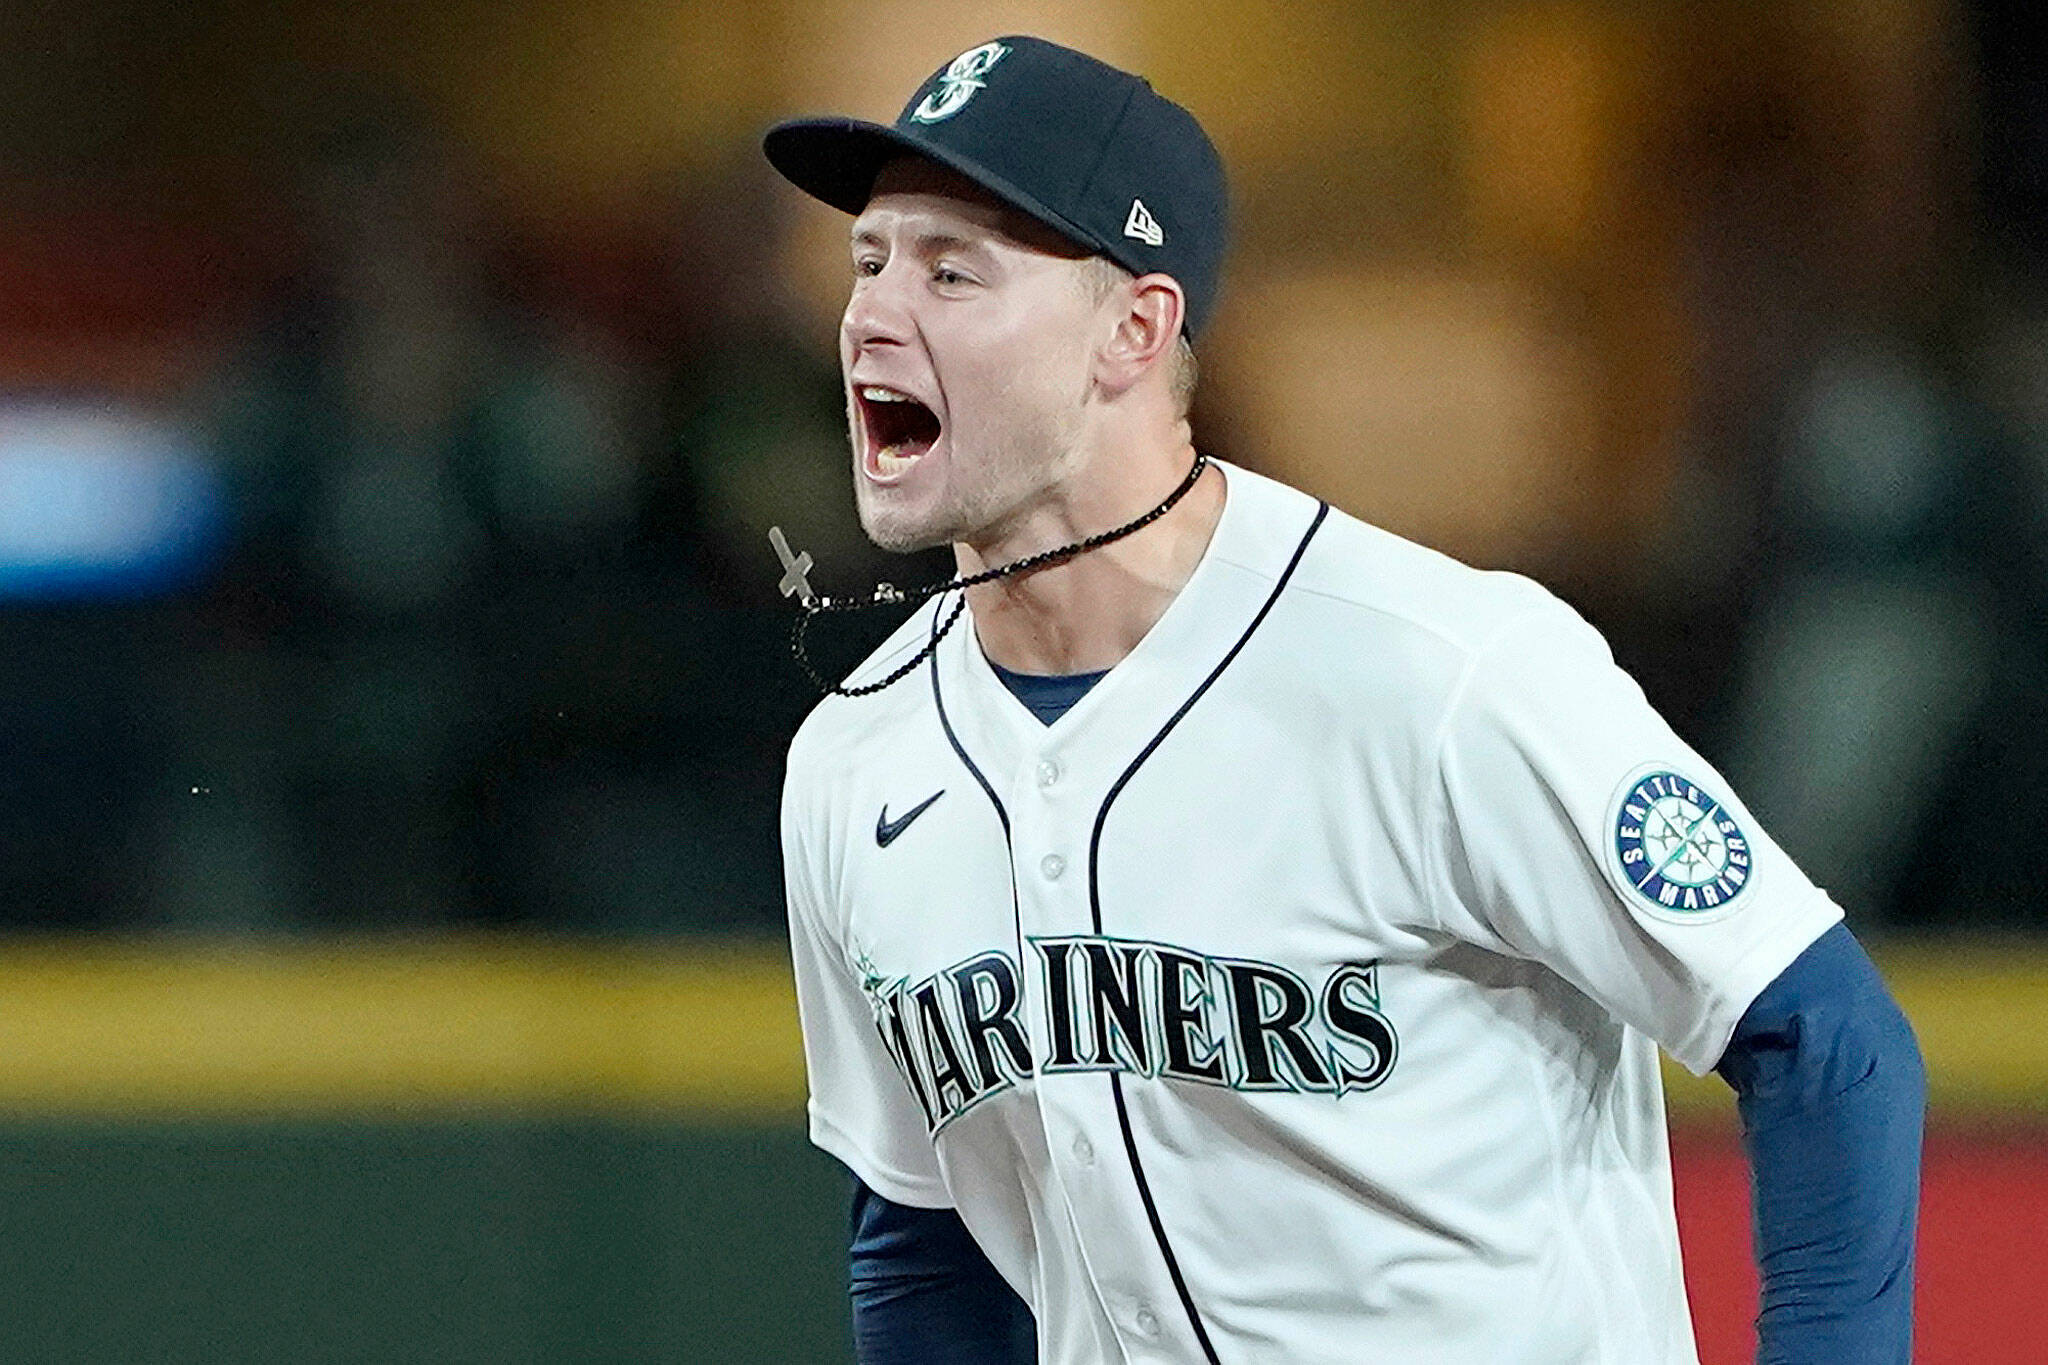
(795, 569)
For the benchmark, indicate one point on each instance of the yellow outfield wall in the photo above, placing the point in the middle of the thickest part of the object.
(681, 1028)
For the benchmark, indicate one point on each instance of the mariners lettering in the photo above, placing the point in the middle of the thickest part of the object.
(1191, 1051)
(1272, 1010)
(1059, 1005)
(1145, 1009)
(988, 1012)
(952, 1088)
(1117, 1006)
(1213, 1020)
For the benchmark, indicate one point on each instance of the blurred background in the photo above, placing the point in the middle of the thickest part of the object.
(393, 688)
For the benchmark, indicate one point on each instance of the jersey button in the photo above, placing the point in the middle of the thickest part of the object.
(1084, 1150)
(1147, 1322)
(1052, 864)
(1048, 772)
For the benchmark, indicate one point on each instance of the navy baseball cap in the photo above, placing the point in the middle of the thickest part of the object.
(1090, 151)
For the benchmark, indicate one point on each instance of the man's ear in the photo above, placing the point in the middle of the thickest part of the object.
(1145, 334)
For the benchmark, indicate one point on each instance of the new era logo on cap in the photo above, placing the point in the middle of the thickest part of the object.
(1143, 226)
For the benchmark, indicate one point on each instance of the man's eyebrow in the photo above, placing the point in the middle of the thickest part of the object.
(924, 243)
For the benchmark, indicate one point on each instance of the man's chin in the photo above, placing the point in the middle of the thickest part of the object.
(900, 535)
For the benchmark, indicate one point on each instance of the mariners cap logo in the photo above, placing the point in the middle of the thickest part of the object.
(958, 82)
(1678, 849)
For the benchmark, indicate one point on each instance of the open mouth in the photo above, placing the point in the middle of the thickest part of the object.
(900, 429)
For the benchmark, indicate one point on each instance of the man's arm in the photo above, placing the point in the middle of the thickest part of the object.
(923, 1293)
(1833, 1093)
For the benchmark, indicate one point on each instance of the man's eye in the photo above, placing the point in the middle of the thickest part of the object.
(945, 276)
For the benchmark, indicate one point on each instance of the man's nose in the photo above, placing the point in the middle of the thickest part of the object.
(877, 313)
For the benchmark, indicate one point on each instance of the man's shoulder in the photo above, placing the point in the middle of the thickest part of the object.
(1381, 584)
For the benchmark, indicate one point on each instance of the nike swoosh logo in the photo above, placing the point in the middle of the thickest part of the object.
(886, 829)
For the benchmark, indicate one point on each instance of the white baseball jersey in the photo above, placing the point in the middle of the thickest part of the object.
(1295, 997)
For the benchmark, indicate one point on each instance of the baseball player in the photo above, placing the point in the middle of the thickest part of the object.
(1225, 932)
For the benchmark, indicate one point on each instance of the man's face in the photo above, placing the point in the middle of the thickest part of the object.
(966, 347)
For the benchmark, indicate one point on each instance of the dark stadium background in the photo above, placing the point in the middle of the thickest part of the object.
(393, 398)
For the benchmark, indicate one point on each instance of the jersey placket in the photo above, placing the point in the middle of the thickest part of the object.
(1053, 795)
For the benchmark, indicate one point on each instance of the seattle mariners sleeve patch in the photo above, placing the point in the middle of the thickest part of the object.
(1677, 851)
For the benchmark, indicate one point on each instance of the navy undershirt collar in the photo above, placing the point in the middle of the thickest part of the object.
(1048, 696)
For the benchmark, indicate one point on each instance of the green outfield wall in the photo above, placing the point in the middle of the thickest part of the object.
(447, 1242)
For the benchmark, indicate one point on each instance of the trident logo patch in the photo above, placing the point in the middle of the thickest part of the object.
(958, 82)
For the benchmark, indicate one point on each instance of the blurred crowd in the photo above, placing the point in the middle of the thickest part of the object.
(470, 617)
(489, 632)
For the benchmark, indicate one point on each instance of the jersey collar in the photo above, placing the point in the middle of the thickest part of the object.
(1261, 525)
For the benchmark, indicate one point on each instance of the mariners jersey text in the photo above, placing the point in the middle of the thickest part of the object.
(1154, 1010)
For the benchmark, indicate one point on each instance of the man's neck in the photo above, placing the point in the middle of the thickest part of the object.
(1087, 613)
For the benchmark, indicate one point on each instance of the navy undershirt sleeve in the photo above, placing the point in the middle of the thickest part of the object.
(923, 1293)
(1833, 1095)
